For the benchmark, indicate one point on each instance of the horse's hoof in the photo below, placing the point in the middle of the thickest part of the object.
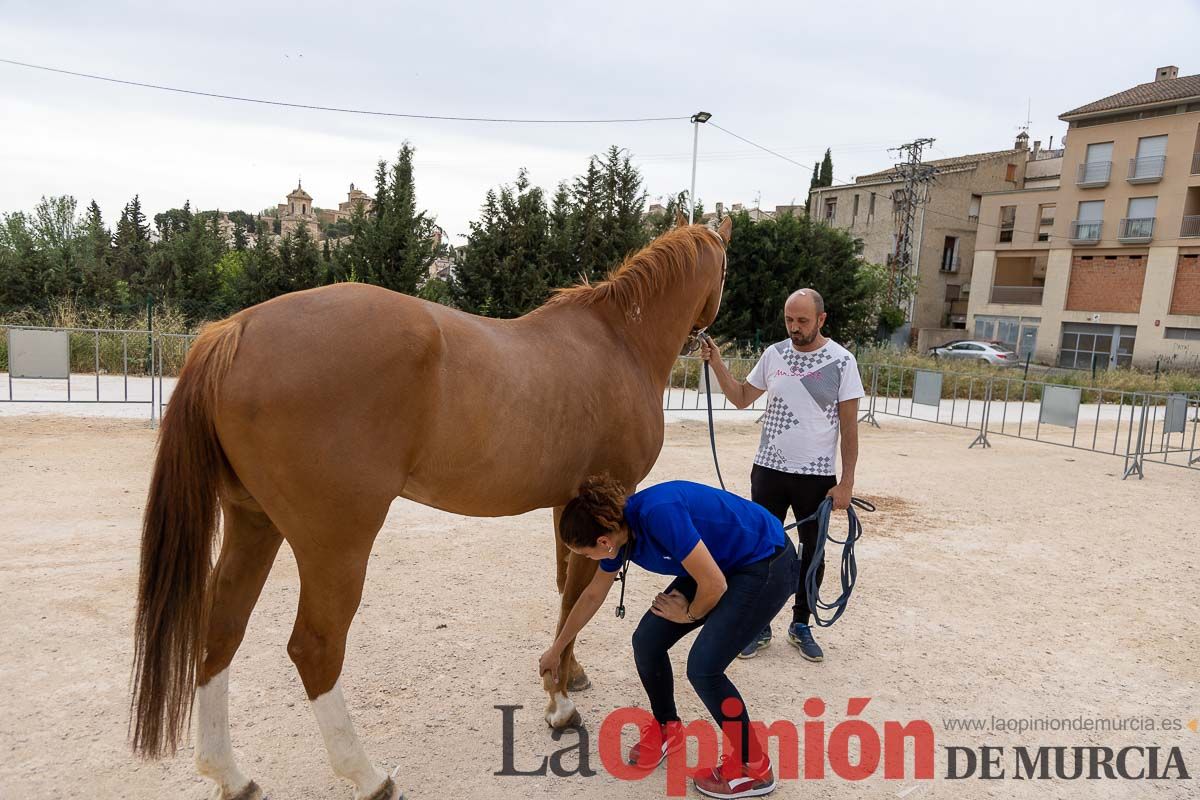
(579, 683)
(573, 720)
(250, 792)
(389, 791)
(562, 714)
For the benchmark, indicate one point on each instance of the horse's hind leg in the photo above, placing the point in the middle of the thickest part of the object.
(331, 582)
(248, 549)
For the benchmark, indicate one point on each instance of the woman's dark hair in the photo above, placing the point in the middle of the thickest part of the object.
(599, 509)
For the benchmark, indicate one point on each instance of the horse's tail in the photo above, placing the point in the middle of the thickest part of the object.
(177, 531)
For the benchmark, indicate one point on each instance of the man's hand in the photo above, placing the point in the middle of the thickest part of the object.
(841, 495)
(709, 350)
(672, 607)
(549, 663)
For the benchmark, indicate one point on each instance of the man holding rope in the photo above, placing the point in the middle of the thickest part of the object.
(813, 388)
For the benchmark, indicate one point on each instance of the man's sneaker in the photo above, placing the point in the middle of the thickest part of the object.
(801, 636)
(761, 642)
(654, 743)
(726, 783)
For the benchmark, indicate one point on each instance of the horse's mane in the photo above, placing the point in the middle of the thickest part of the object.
(642, 274)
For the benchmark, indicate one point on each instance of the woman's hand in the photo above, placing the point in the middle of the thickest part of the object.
(672, 607)
(549, 663)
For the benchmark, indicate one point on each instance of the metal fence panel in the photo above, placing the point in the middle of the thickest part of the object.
(42, 354)
(927, 388)
(1060, 406)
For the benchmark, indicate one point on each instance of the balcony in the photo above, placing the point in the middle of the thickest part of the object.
(1148, 169)
(1191, 227)
(951, 264)
(1196, 163)
(1085, 232)
(1018, 295)
(1094, 173)
(1135, 230)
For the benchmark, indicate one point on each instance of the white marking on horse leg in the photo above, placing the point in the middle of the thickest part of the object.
(346, 754)
(214, 750)
(561, 712)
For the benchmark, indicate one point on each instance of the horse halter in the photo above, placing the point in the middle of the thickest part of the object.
(699, 334)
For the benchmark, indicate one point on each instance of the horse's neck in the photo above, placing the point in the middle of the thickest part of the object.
(657, 331)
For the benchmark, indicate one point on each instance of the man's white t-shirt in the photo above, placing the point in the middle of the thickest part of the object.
(801, 424)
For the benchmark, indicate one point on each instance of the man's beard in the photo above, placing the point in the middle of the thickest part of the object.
(803, 339)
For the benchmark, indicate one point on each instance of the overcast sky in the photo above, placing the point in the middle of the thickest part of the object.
(797, 77)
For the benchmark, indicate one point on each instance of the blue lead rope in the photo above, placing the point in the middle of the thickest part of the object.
(848, 573)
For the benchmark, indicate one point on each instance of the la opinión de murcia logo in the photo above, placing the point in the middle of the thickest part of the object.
(904, 750)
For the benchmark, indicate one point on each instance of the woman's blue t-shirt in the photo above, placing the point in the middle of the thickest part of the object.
(670, 519)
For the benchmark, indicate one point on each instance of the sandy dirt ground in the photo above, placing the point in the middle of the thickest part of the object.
(1025, 581)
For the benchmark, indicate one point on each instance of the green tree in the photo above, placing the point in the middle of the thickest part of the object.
(504, 270)
(231, 275)
(301, 260)
(184, 263)
(400, 240)
(21, 263)
(95, 258)
(826, 178)
(54, 226)
(770, 259)
(262, 271)
(131, 245)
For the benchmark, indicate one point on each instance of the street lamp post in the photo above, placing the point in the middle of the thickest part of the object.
(697, 118)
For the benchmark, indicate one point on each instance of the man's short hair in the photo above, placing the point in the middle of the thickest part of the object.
(818, 301)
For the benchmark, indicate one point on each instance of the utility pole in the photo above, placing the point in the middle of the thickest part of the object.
(916, 178)
(697, 119)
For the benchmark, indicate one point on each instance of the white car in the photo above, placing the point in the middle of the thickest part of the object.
(989, 352)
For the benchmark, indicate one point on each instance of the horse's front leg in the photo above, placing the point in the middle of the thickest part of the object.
(575, 573)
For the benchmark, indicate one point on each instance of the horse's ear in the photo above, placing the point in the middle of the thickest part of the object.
(726, 229)
(680, 219)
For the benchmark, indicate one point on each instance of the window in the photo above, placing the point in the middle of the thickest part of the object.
(950, 254)
(1151, 159)
(1006, 331)
(985, 328)
(1090, 220)
(1008, 220)
(1010, 174)
(1188, 334)
(1097, 166)
(973, 209)
(830, 209)
(1142, 207)
(1099, 153)
(871, 207)
(1046, 213)
(854, 210)
(1152, 146)
(1084, 343)
(953, 292)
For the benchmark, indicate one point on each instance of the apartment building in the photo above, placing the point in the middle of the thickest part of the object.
(946, 224)
(1105, 267)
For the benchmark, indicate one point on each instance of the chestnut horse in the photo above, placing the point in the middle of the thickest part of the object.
(304, 417)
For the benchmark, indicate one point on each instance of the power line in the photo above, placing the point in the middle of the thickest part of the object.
(309, 107)
(759, 146)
